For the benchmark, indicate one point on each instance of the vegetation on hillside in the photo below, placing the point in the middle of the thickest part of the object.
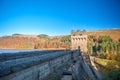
(104, 47)
(107, 51)
(43, 41)
(109, 68)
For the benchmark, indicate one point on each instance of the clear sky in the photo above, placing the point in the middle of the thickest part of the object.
(57, 17)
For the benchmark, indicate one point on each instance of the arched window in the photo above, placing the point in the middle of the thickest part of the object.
(84, 39)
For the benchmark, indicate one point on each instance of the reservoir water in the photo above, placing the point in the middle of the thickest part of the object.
(17, 50)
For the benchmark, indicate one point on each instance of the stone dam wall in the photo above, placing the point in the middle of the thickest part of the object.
(35, 65)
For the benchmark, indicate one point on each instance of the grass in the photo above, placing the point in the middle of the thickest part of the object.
(110, 69)
(105, 62)
(107, 65)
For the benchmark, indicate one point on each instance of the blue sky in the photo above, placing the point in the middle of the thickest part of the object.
(57, 17)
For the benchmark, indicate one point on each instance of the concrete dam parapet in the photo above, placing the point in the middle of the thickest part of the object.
(34, 65)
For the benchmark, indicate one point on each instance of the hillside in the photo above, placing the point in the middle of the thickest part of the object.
(17, 42)
(44, 41)
(113, 33)
(20, 41)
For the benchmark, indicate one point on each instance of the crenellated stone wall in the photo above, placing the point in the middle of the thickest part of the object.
(79, 41)
(34, 65)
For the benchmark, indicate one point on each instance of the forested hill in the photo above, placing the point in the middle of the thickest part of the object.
(41, 41)
(105, 46)
(113, 33)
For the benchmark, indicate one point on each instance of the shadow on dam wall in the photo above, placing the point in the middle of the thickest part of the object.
(34, 65)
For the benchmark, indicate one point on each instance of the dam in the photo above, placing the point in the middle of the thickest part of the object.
(71, 64)
(34, 65)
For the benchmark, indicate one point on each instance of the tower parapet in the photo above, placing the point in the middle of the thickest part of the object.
(79, 39)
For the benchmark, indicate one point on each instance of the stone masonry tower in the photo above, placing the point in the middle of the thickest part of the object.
(79, 40)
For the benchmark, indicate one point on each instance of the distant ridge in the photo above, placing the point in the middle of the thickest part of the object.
(25, 41)
(113, 33)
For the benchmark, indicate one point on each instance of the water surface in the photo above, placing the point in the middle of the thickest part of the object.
(17, 50)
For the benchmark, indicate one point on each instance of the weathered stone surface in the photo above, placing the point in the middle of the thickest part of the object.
(12, 56)
(79, 41)
(11, 68)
